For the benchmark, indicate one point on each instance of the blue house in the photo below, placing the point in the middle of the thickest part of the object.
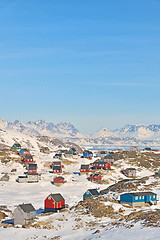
(87, 154)
(138, 199)
(91, 193)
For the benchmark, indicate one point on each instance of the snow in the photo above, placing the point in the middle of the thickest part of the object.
(13, 193)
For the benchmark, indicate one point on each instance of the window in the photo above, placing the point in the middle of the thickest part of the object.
(136, 198)
(142, 197)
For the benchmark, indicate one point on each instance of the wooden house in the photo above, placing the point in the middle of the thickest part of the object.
(87, 154)
(95, 177)
(16, 146)
(130, 172)
(90, 193)
(32, 168)
(138, 199)
(54, 202)
(73, 150)
(24, 151)
(57, 169)
(101, 164)
(84, 168)
(27, 159)
(57, 181)
(29, 178)
(23, 214)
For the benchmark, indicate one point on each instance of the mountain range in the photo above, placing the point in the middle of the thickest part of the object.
(65, 131)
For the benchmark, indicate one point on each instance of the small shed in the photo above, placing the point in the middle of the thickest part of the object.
(138, 199)
(24, 213)
(91, 193)
(84, 168)
(54, 202)
(59, 155)
(68, 154)
(16, 146)
(59, 180)
(130, 172)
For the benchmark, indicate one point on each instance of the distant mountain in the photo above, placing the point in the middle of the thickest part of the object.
(65, 131)
(140, 132)
(41, 128)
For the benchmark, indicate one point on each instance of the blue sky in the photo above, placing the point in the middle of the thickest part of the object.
(91, 62)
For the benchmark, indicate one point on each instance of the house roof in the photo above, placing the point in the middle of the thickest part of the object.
(56, 167)
(141, 194)
(32, 174)
(61, 178)
(56, 163)
(28, 157)
(130, 169)
(27, 207)
(57, 197)
(99, 162)
(17, 145)
(83, 166)
(108, 157)
(68, 152)
(94, 192)
(32, 166)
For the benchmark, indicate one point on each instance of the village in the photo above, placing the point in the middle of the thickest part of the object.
(73, 182)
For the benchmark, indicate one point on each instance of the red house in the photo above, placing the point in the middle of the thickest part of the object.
(32, 168)
(57, 169)
(84, 168)
(27, 159)
(57, 163)
(101, 165)
(54, 202)
(58, 180)
(95, 177)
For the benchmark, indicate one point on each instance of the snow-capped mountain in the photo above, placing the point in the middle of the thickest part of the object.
(140, 132)
(41, 128)
(128, 135)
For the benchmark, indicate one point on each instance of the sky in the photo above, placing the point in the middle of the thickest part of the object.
(93, 63)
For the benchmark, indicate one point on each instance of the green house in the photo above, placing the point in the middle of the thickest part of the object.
(16, 146)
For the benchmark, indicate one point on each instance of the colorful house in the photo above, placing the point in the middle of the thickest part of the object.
(16, 146)
(138, 199)
(57, 169)
(95, 177)
(27, 159)
(87, 154)
(130, 172)
(58, 181)
(32, 168)
(23, 214)
(24, 151)
(54, 202)
(84, 168)
(90, 193)
(101, 165)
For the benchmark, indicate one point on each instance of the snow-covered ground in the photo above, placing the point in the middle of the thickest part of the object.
(13, 193)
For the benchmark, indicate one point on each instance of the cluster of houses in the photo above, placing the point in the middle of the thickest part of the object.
(24, 213)
(31, 167)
